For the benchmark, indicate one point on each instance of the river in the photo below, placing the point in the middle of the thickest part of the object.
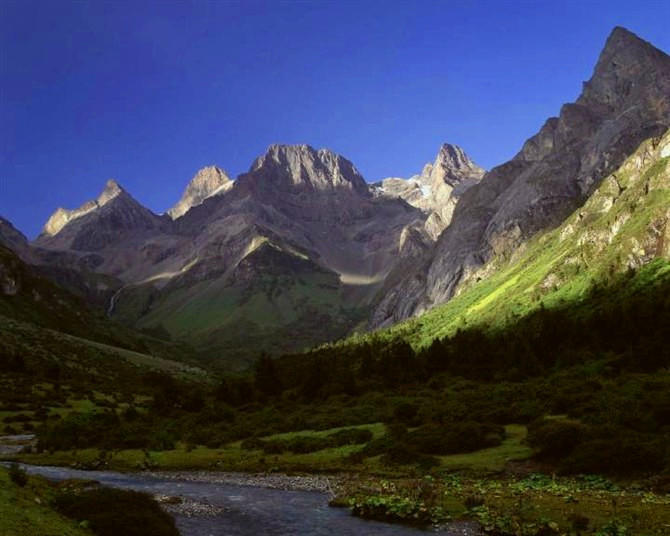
(235, 510)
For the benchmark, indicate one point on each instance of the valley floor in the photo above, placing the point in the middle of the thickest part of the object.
(499, 487)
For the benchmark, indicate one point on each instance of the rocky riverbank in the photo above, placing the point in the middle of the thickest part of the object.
(319, 483)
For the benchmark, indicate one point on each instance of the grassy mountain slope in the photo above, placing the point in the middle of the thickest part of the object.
(624, 226)
(275, 301)
(58, 355)
(30, 299)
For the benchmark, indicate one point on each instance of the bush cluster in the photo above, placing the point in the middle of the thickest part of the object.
(577, 448)
(110, 512)
(18, 475)
(454, 438)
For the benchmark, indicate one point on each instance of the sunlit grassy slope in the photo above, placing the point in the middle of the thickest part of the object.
(624, 226)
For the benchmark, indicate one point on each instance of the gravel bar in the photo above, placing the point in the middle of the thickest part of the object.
(320, 483)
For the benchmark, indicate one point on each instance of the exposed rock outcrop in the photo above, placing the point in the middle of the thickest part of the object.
(438, 188)
(626, 101)
(208, 182)
(110, 219)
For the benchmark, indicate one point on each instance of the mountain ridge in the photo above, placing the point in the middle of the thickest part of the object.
(398, 247)
(555, 170)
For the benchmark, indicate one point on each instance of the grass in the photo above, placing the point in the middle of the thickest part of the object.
(506, 499)
(492, 459)
(377, 430)
(233, 458)
(149, 361)
(510, 505)
(25, 511)
(38, 343)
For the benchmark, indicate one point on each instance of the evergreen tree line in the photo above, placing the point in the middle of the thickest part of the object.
(628, 334)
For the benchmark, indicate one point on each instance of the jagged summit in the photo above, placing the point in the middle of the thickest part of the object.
(455, 157)
(626, 64)
(12, 238)
(62, 216)
(437, 188)
(452, 166)
(621, 39)
(112, 189)
(97, 223)
(301, 167)
(208, 182)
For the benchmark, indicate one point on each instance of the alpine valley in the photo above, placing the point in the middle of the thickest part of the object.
(462, 333)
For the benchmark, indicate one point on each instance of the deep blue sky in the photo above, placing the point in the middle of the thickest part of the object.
(149, 92)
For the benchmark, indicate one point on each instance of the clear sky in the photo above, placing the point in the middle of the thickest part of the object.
(149, 92)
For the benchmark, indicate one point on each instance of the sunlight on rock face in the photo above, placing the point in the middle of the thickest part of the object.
(170, 275)
(360, 279)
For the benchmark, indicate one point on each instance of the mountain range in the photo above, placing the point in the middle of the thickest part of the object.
(301, 250)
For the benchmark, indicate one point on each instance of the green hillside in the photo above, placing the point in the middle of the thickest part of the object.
(622, 227)
(30, 298)
(57, 355)
(273, 295)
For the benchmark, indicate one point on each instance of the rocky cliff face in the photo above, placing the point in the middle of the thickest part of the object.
(314, 201)
(300, 168)
(208, 182)
(437, 189)
(624, 103)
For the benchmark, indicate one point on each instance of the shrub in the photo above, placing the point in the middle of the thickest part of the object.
(306, 444)
(252, 443)
(379, 445)
(394, 508)
(473, 501)
(555, 439)
(274, 447)
(455, 438)
(356, 457)
(406, 413)
(579, 522)
(616, 456)
(18, 475)
(110, 512)
(401, 453)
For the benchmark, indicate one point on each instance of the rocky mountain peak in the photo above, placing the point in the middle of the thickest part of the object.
(453, 156)
(207, 182)
(62, 216)
(303, 168)
(97, 223)
(111, 190)
(437, 189)
(626, 64)
(453, 165)
(11, 237)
